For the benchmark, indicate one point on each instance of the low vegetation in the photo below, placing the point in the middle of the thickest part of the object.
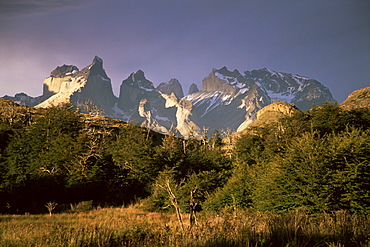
(134, 227)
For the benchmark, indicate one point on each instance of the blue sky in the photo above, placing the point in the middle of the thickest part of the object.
(328, 40)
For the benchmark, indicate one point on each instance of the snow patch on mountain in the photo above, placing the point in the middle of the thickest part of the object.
(211, 99)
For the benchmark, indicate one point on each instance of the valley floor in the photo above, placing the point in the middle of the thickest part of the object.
(132, 226)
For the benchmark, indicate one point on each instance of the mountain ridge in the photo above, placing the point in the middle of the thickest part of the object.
(227, 100)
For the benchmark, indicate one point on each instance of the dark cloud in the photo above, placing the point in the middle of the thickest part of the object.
(9, 8)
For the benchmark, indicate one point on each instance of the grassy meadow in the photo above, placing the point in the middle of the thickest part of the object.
(132, 226)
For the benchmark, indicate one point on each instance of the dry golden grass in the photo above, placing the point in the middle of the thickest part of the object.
(134, 227)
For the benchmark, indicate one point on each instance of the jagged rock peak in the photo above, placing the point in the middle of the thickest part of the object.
(97, 60)
(230, 76)
(193, 88)
(23, 99)
(138, 76)
(224, 80)
(96, 68)
(224, 71)
(64, 70)
(172, 86)
(138, 80)
(260, 73)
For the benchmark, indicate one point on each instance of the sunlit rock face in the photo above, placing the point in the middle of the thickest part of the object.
(286, 109)
(357, 99)
(67, 84)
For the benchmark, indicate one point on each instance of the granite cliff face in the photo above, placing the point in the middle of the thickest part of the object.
(227, 100)
(135, 88)
(223, 81)
(193, 88)
(173, 86)
(141, 103)
(159, 109)
(67, 84)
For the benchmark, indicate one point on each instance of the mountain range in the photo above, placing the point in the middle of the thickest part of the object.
(227, 99)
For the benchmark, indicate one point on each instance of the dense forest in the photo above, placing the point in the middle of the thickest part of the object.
(317, 161)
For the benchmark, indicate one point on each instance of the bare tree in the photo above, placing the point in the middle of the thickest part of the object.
(204, 136)
(89, 106)
(51, 206)
(229, 140)
(193, 205)
(14, 115)
(166, 183)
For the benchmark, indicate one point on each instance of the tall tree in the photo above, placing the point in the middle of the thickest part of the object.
(133, 155)
(38, 159)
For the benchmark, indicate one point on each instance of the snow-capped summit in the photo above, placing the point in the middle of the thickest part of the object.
(96, 68)
(227, 100)
(299, 90)
(64, 70)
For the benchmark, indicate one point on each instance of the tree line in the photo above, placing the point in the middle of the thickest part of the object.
(315, 161)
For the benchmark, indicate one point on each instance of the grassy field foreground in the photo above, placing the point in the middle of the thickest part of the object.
(134, 227)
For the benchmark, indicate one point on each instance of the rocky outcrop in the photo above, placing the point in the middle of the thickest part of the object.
(64, 70)
(193, 88)
(24, 99)
(358, 99)
(135, 88)
(270, 114)
(217, 81)
(286, 109)
(173, 86)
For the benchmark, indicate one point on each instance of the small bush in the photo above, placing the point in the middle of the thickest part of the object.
(84, 206)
